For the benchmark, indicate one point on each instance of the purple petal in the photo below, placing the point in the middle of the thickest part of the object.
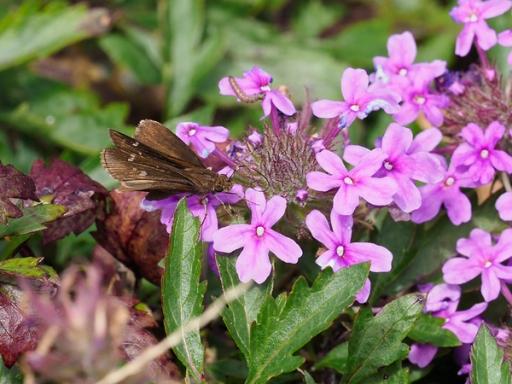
(408, 196)
(470, 313)
(266, 104)
(407, 113)
(342, 227)
(473, 134)
(402, 48)
(217, 134)
(274, 210)
(201, 146)
(422, 354)
(377, 191)
(319, 228)
(283, 247)
(323, 182)
(465, 332)
(253, 263)
(486, 36)
(282, 103)
(504, 206)
(379, 256)
(505, 38)
(364, 293)
(464, 40)
(353, 154)
(494, 133)
(354, 84)
(430, 205)
(256, 203)
(331, 163)
(423, 166)
(490, 285)
(476, 245)
(441, 296)
(458, 208)
(433, 114)
(328, 259)
(328, 109)
(225, 88)
(369, 164)
(503, 249)
(493, 8)
(209, 224)
(426, 140)
(346, 200)
(501, 160)
(502, 272)
(232, 237)
(460, 270)
(396, 140)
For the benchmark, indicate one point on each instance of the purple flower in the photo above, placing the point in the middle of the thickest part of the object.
(353, 184)
(200, 137)
(478, 256)
(505, 39)
(473, 13)
(504, 206)
(167, 207)
(422, 354)
(256, 82)
(405, 162)
(417, 98)
(478, 154)
(446, 192)
(399, 68)
(341, 252)
(360, 99)
(258, 238)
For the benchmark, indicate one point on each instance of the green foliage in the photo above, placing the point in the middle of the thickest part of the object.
(288, 322)
(33, 220)
(182, 290)
(428, 330)
(10, 375)
(25, 267)
(377, 342)
(487, 365)
(336, 358)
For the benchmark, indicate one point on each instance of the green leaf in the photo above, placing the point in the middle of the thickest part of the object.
(8, 246)
(428, 330)
(182, 291)
(33, 220)
(129, 55)
(242, 312)
(308, 379)
(41, 32)
(287, 323)
(378, 342)
(487, 365)
(393, 374)
(335, 359)
(25, 267)
(10, 375)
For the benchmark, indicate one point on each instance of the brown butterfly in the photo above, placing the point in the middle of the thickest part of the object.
(157, 161)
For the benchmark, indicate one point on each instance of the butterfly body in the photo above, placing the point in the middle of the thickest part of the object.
(159, 162)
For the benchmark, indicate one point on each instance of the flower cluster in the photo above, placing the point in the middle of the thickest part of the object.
(297, 172)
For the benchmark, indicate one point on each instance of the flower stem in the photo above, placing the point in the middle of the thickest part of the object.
(488, 70)
(506, 292)
(225, 158)
(506, 182)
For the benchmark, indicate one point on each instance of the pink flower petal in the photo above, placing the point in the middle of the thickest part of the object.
(430, 205)
(470, 313)
(282, 103)
(256, 203)
(493, 8)
(320, 229)
(342, 227)
(354, 84)
(379, 257)
(504, 206)
(503, 249)
(464, 40)
(209, 224)
(396, 140)
(328, 109)
(422, 354)
(426, 140)
(323, 182)
(494, 133)
(378, 192)
(501, 160)
(328, 259)
(505, 38)
(407, 196)
(353, 154)
(346, 200)
(364, 293)
(486, 36)
(439, 295)
(225, 88)
(490, 285)
(369, 164)
(283, 247)
(253, 263)
(217, 134)
(433, 114)
(331, 163)
(503, 272)
(465, 332)
(407, 114)
(274, 210)
(232, 237)
(476, 245)
(423, 166)
(460, 270)
(402, 48)
(458, 208)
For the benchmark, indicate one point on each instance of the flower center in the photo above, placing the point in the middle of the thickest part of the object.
(487, 264)
(484, 153)
(388, 165)
(192, 132)
(447, 320)
(355, 108)
(340, 250)
(420, 100)
(449, 181)
(473, 17)
(347, 180)
(402, 72)
(260, 231)
(265, 88)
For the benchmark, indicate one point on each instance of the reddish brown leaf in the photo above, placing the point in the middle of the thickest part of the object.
(14, 184)
(133, 236)
(66, 185)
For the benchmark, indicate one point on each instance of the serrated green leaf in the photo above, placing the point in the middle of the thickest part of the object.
(41, 33)
(487, 365)
(378, 341)
(428, 330)
(242, 312)
(25, 267)
(286, 324)
(182, 291)
(336, 358)
(33, 220)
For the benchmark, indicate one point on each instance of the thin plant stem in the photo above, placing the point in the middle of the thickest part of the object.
(506, 292)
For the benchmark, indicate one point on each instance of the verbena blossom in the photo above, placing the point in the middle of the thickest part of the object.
(479, 257)
(256, 82)
(407, 160)
(258, 238)
(359, 182)
(398, 69)
(341, 252)
(504, 206)
(442, 301)
(478, 155)
(360, 98)
(505, 39)
(472, 14)
(202, 138)
(446, 192)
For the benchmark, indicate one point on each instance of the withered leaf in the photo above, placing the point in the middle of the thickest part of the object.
(133, 236)
(63, 184)
(14, 185)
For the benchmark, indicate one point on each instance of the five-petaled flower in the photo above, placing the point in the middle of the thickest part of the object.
(352, 184)
(478, 256)
(202, 138)
(478, 155)
(258, 238)
(360, 99)
(341, 252)
(256, 82)
(473, 13)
